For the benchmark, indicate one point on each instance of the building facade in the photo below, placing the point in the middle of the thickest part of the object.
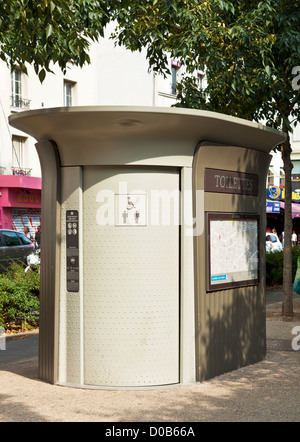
(114, 77)
(276, 188)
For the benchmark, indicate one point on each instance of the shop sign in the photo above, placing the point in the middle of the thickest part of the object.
(295, 188)
(273, 207)
(274, 193)
(278, 193)
(23, 198)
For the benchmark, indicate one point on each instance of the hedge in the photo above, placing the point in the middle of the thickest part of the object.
(19, 298)
(274, 266)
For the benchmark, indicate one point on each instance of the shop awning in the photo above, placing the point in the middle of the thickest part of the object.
(295, 209)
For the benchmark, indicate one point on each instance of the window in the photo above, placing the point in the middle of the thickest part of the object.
(175, 65)
(272, 238)
(16, 88)
(173, 85)
(11, 239)
(18, 151)
(282, 177)
(17, 100)
(68, 93)
(270, 178)
(296, 167)
(200, 77)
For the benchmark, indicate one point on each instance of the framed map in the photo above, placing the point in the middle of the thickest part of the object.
(233, 250)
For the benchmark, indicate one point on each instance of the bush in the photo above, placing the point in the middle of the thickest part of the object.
(274, 266)
(1, 316)
(19, 298)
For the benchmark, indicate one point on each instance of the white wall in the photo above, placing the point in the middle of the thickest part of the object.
(5, 129)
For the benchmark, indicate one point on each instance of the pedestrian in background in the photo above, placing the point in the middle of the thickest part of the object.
(38, 237)
(27, 233)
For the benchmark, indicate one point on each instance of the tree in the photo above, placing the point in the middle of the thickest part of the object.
(250, 51)
(39, 32)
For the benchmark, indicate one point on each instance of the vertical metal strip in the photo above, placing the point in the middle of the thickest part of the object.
(187, 297)
(50, 260)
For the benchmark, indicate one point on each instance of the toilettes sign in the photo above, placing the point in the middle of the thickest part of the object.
(226, 181)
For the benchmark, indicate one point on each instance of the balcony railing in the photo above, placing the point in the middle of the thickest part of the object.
(21, 171)
(19, 103)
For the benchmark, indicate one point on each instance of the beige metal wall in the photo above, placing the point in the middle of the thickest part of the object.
(230, 324)
(229, 329)
(131, 276)
(157, 267)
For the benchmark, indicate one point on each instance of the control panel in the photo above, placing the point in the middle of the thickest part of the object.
(72, 250)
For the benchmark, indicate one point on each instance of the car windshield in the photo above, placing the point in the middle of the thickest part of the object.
(272, 238)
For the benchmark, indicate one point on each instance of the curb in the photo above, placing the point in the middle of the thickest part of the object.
(12, 336)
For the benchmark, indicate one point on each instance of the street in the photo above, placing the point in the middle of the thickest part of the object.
(19, 350)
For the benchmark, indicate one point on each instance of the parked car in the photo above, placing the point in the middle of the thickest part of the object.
(14, 246)
(272, 243)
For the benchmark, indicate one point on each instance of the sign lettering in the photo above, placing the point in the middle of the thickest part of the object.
(226, 181)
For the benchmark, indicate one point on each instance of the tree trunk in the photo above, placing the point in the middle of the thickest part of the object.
(287, 295)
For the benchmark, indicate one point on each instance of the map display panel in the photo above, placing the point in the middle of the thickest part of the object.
(233, 242)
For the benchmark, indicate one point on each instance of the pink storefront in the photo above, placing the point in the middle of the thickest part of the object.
(20, 202)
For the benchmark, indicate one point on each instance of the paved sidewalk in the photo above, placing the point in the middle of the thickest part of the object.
(279, 332)
(266, 391)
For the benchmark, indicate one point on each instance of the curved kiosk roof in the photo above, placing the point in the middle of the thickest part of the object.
(130, 135)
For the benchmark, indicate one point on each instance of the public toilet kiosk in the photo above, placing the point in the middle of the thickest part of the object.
(153, 244)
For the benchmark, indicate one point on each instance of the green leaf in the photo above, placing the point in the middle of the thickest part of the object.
(268, 71)
(52, 6)
(49, 30)
(42, 75)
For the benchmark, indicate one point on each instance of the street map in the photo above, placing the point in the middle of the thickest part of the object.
(233, 251)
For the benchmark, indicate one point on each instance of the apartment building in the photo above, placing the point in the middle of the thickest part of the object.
(114, 77)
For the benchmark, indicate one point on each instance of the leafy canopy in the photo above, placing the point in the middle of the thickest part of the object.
(43, 31)
(248, 49)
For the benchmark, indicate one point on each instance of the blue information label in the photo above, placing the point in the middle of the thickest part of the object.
(219, 278)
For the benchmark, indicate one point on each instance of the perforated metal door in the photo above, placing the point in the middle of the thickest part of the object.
(131, 276)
